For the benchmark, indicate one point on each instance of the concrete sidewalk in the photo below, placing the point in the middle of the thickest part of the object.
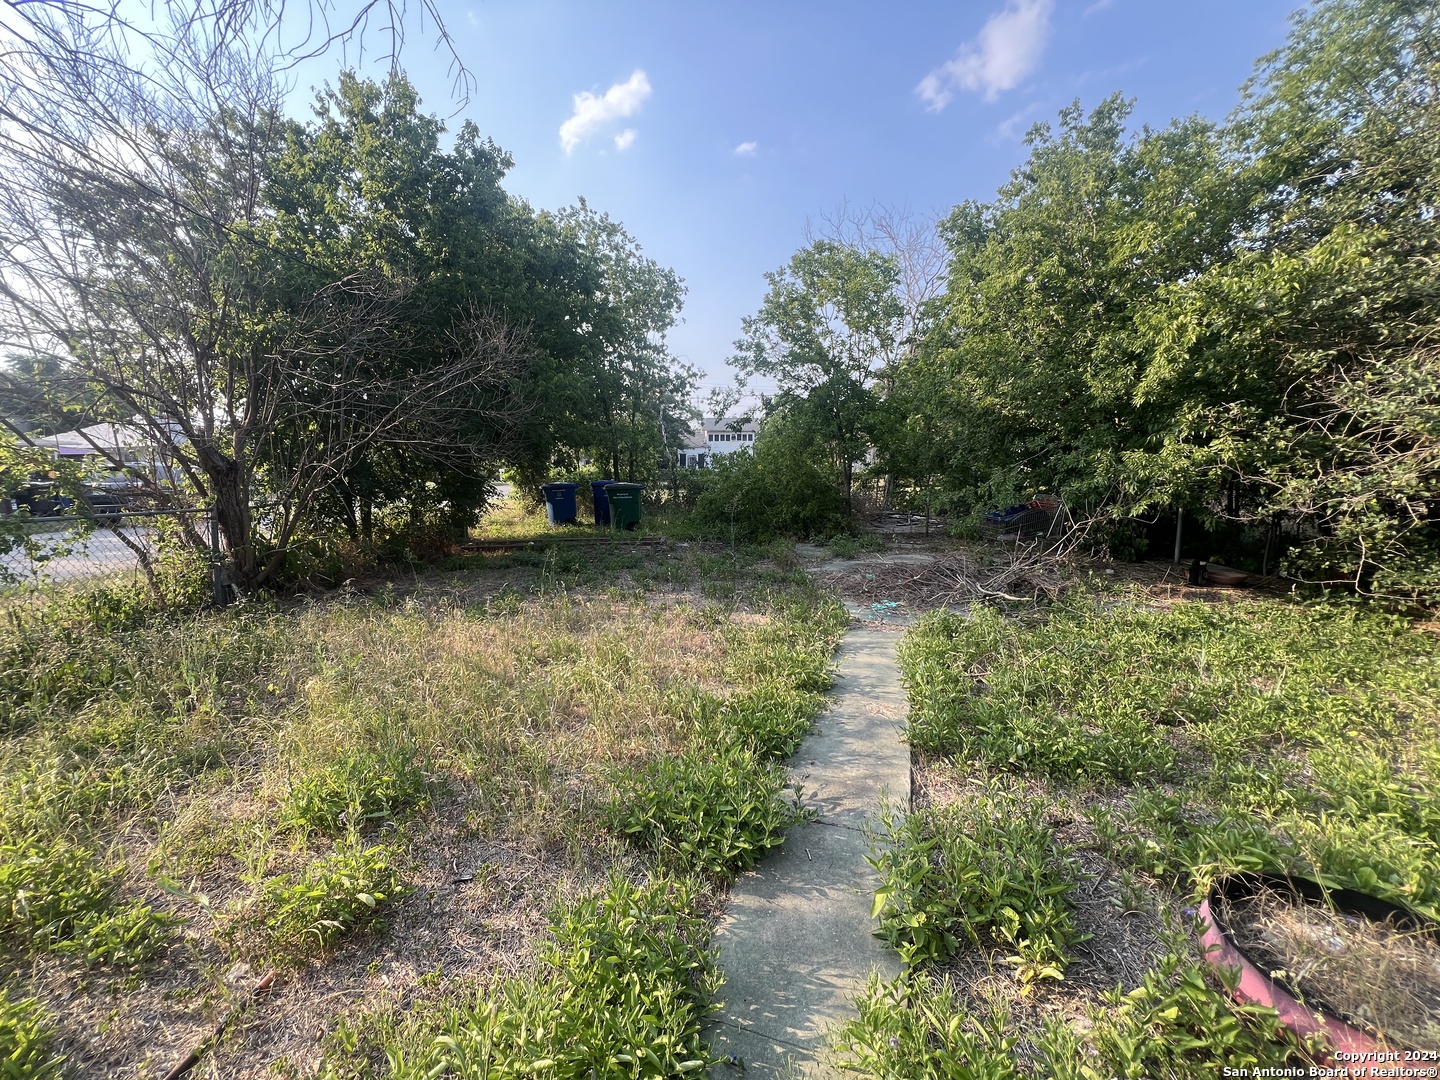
(796, 945)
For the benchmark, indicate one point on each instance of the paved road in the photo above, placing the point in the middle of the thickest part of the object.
(101, 554)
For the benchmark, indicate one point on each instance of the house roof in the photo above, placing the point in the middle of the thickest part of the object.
(97, 438)
(723, 423)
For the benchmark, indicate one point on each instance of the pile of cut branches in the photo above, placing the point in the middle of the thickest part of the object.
(1027, 575)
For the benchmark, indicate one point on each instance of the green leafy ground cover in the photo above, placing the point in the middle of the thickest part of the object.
(1102, 762)
(431, 808)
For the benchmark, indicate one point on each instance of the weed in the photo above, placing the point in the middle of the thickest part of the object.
(296, 917)
(985, 870)
(770, 720)
(1174, 1026)
(25, 1035)
(716, 815)
(360, 789)
(915, 1029)
(1309, 736)
(1162, 839)
(59, 897)
(123, 939)
(620, 990)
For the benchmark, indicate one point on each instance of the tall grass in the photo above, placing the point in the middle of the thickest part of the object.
(268, 774)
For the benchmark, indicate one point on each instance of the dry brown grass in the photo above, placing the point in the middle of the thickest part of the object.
(1372, 974)
(516, 694)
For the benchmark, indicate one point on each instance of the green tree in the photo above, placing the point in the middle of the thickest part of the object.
(638, 393)
(830, 325)
(367, 184)
(1316, 345)
(1033, 372)
(151, 273)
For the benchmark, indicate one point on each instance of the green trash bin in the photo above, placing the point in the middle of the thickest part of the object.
(624, 505)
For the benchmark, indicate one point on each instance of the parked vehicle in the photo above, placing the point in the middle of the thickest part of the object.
(39, 498)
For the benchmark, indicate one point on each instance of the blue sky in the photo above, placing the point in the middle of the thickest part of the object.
(714, 131)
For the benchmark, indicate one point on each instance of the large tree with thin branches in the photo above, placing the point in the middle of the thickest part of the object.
(140, 256)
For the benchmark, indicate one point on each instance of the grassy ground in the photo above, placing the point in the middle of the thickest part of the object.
(476, 821)
(1084, 772)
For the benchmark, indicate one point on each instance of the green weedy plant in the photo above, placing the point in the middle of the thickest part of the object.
(771, 720)
(59, 897)
(1174, 1026)
(983, 870)
(621, 990)
(712, 814)
(25, 1036)
(359, 789)
(1166, 839)
(296, 917)
(916, 1029)
(1011, 713)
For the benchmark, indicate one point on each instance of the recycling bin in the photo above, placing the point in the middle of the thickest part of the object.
(559, 503)
(602, 504)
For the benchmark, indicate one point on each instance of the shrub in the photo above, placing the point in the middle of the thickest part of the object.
(775, 490)
(714, 814)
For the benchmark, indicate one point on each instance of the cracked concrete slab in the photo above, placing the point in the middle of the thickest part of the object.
(796, 942)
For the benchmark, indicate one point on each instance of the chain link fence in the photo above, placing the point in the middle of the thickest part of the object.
(38, 554)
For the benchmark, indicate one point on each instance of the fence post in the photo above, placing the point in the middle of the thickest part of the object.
(217, 565)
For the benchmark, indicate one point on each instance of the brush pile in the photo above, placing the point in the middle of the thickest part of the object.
(1027, 576)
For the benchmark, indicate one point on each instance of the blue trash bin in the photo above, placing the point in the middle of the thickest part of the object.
(602, 503)
(559, 503)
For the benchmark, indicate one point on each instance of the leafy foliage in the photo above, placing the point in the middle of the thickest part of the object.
(985, 871)
(829, 323)
(295, 917)
(713, 814)
(917, 1029)
(60, 897)
(360, 789)
(1268, 706)
(780, 488)
(621, 988)
(25, 1035)
(1175, 1025)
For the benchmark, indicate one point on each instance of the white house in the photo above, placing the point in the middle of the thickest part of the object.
(716, 435)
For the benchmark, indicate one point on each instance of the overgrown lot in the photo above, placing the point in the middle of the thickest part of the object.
(477, 822)
(1085, 772)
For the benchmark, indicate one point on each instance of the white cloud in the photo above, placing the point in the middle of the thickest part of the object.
(1008, 48)
(472, 18)
(592, 112)
(747, 149)
(1098, 5)
(625, 138)
(1015, 127)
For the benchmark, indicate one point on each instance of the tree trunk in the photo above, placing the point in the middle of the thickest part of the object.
(352, 523)
(230, 489)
